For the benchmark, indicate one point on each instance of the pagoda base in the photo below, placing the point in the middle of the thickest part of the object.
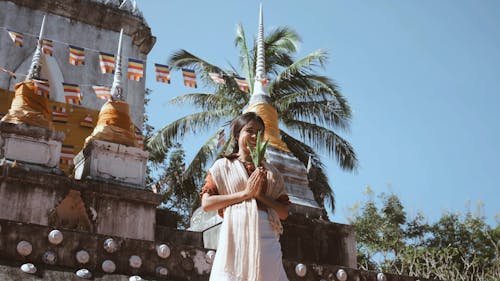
(30, 144)
(106, 161)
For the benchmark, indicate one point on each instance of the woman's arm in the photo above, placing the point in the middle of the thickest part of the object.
(280, 208)
(216, 202)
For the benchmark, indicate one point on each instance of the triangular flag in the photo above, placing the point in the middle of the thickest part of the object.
(217, 78)
(189, 78)
(242, 83)
(162, 73)
(72, 93)
(47, 47)
(11, 74)
(102, 93)
(107, 62)
(87, 121)
(76, 55)
(42, 88)
(135, 69)
(16, 37)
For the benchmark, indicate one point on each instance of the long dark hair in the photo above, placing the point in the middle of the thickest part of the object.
(237, 124)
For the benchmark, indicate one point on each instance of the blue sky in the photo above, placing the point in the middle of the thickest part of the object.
(422, 78)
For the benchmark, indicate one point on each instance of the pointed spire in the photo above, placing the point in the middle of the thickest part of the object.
(260, 90)
(36, 66)
(117, 89)
(260, 74)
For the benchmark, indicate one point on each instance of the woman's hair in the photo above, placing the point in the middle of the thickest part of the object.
(238, 123)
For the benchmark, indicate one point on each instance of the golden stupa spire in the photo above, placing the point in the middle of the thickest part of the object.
(31, 102)
(114, 123)
(260, 99)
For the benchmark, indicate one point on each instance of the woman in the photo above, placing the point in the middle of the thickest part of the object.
(252, 202)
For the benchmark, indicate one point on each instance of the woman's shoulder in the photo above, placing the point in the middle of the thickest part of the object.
(224, 161)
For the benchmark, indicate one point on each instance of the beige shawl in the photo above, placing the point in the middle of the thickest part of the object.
(241, 240)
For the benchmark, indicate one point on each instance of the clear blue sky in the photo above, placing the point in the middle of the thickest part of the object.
(422, 78)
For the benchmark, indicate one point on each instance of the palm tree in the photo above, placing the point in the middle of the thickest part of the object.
(310, 107)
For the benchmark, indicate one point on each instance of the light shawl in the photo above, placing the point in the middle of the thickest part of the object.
(239, 250)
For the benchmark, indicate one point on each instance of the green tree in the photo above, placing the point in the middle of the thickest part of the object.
(167, 178)
(456, 247)
(178, 193)
(309, 105)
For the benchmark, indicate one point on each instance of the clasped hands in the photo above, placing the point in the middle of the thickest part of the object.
(255, 183)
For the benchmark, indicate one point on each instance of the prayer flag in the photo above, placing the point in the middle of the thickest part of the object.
(47, 47)
(217, 78)
(42, 88)
(76, 55)
(67, 154)
(87, 122)
(16, 37)
(135, 69)
(242, 83)
(59, 115)
(102, 93)
(189, 78)
(107, 62)
(11, 74)
(162, 73)
(72, 93)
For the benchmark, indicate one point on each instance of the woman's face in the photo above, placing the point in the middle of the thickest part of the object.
(248, 134)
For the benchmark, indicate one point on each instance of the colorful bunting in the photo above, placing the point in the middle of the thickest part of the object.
(242, 83)
(47, 47)
(72, 93)
(67, 154)
(107, 62)
(11, 74)
(87, 122)
(76, 55)
(59, 115)
(217, 78)
(16, 37)
(162, 73)
(135, 69)
(42, 88)
(102, 93)
(189, 78)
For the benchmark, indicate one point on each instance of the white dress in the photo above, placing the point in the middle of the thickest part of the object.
(249, 248)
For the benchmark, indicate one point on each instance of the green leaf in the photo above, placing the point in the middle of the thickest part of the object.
(257, 153)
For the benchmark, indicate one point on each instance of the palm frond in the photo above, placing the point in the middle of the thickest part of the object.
(318, 180)
(324, 113)
(283, 39)
(205, 101)
(297, 86)
(325, 139)
(304, 65)
(160, 142)
(241, 42)
(207, 152)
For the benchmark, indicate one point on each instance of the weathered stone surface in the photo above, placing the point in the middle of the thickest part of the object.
(110, 161)
(30, 144)
(296, 182)
(31, 197)
(318, 241)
